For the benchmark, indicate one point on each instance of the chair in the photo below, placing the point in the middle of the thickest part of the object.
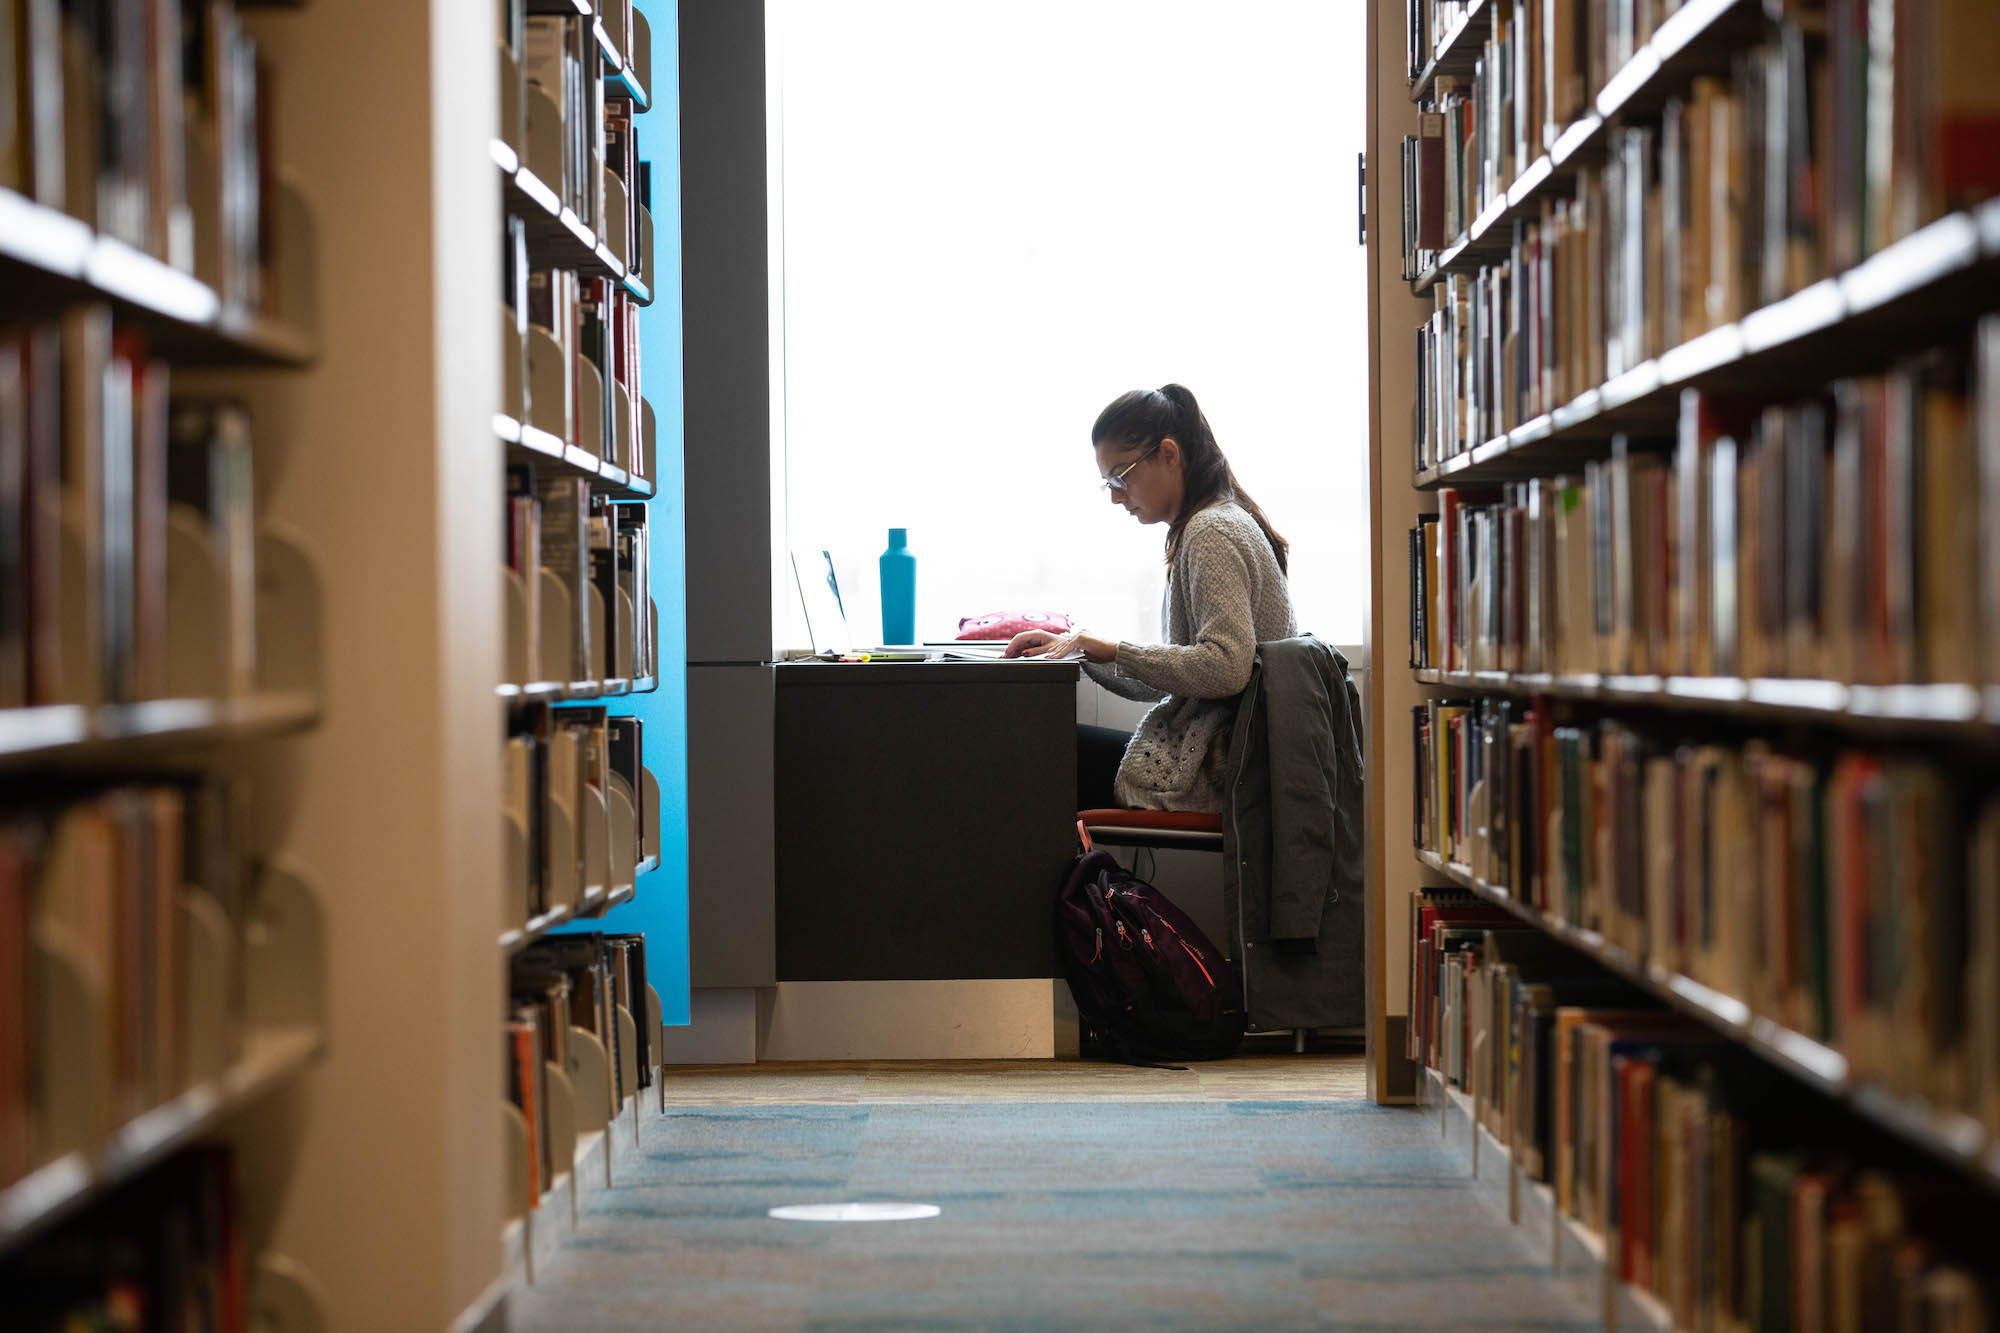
(1179, 830)
(1153, 828)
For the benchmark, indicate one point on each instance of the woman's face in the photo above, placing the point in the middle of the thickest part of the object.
(1146, 485)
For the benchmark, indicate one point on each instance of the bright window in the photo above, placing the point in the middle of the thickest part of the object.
(996, 217)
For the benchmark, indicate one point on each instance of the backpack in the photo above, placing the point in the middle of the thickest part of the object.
(1148, 984)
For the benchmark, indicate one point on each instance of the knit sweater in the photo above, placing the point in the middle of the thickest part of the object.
(1225, 595)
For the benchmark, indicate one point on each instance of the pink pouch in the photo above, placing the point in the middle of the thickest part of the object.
(1006, 624)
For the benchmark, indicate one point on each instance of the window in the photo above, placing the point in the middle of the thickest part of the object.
(996, 217)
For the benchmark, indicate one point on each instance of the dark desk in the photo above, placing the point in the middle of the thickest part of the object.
(925, 814)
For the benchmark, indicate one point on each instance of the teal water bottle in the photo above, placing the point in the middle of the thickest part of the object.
(899, 589)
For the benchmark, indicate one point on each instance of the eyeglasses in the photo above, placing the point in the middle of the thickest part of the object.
(1115, 483)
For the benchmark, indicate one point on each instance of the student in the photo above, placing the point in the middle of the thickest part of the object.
(1226, 593)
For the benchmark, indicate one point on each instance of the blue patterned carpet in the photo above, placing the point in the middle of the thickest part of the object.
(1168, 1215)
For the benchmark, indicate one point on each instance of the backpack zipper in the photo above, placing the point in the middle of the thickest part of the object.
(1198, 963)
(1100, 945)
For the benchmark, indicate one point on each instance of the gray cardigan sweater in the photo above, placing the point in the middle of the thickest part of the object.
(1225, 595)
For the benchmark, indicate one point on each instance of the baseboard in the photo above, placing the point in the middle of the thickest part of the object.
(1003, 1019)
(488, 1314)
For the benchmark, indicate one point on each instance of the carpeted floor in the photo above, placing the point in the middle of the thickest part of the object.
(1253, 1194)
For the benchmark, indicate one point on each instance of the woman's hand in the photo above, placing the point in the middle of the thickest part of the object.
(1029, 643)
(1041, 643)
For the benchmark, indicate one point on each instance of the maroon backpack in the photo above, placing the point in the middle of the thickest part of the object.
(1148, 984)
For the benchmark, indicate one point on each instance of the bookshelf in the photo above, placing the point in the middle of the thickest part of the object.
(162, 635)
(1699, 588)
(59, 1188)
(1956, 1139)
(577, 436)
(75, 735)
(1577, 1252)
(49, 258)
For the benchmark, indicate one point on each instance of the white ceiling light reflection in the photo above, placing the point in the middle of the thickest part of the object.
(855, 1212)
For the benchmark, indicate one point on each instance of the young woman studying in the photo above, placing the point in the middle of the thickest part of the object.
(1226, 593)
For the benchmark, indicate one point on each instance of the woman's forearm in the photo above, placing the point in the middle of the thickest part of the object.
(1213, 668)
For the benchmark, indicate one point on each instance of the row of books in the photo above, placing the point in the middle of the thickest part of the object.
(1746, 190)
(557, 55)
(1848, 895)
(1847, 536)
(1837, 130)
(99, 469)
(557, 523)
(150, 120)
(107, 885)
(1739, 1200)
(595, 325)
(167, 1251)
(565, 766)
(561, 983)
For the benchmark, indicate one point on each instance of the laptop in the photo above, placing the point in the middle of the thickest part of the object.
(825, 612)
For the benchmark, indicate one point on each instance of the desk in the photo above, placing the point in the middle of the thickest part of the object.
(925, 813)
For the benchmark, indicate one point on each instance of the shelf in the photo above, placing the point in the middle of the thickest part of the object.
(1954, 1138)
(645, 684)
(641, 292)
(624, 82)
(604, 902)
(1576, 1252)
(547, 448)
(1684, 44)
(513, 941)
(51, 1192)
(1835, 326)
(650, 863)
(72, 734)
(573, 691)
(1460, 49)
(1957, 710)
(555, 234)
(48, 256)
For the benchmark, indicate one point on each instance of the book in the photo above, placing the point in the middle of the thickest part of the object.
(209, 483)
(565, 538)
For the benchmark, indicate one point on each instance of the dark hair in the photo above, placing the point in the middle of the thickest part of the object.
(1142, 418)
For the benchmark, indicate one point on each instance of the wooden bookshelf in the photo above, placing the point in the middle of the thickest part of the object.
(601, 366)
(1658, 261)
(1575, 1250)
(1963, 712)
(1458, 51)
(1688, 40)
(581, 691)
(167, 983)
(72, 735)
(555, 233)
(550, 449)
(56, 1190)
(1957, 1140)
(1948, 270)
(49, 259)
(513, 941)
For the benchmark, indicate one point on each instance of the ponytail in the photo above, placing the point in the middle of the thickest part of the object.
(1142, 418)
